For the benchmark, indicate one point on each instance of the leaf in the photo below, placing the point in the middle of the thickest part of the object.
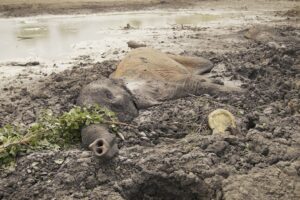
(50, 131)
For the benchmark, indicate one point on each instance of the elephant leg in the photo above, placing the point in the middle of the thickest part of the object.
(197, 85)
(196, 65)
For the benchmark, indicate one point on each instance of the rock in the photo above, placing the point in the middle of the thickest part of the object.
(24, 64)
(220, 120)
(59, 161)
(218, 81)
(274, 45)
(268, 110)
(133, 44)
(85, 154)
(128, 26)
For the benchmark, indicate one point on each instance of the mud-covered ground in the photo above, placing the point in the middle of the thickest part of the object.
(172, 154)
(21, 8)
(17, 8)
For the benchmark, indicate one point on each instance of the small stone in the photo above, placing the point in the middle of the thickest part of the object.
(84, 160)
(34, 165)
(85, 154)
(218, 81)
(134, 44)
(268, 110)
(59, 161)
(145, 138)
(142, 134)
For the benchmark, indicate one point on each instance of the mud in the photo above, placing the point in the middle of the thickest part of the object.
(172, 153)
(17, 8)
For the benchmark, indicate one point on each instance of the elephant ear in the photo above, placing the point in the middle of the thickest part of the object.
(196, 65)
(110, 94)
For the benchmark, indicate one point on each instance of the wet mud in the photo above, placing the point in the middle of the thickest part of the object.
(172, 154)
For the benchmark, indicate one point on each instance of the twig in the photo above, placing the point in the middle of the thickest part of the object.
(119, 123)
(121, 135)
(23, 141)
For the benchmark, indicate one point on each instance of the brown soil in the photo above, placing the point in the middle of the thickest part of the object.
(16, 8)
(171, 153)
(19, 8)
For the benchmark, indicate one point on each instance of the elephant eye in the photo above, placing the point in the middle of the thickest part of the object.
(108, 94)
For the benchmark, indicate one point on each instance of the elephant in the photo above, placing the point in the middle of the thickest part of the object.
(144, 78)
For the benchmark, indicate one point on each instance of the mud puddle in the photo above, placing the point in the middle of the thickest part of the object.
(49, 37)
(60, 42)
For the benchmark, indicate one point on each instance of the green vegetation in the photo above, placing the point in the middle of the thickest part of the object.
(51, 131)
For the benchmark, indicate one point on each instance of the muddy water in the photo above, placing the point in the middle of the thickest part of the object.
(50, 37)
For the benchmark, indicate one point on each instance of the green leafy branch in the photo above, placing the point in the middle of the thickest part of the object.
(52, 132)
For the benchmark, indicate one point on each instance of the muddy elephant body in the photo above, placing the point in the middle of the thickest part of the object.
(152, 76)
(146, 77)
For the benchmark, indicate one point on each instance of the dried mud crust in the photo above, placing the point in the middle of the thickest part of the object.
(172, 153)
(20, 8)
